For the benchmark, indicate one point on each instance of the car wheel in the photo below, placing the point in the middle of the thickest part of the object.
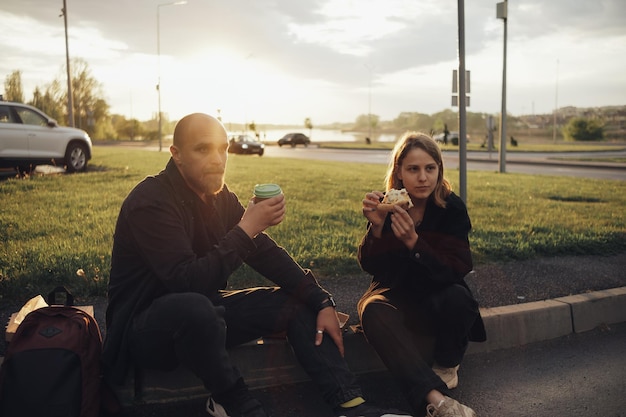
(76, 157)
(261, 152)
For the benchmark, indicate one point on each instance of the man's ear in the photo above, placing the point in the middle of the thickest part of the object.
(175, 153)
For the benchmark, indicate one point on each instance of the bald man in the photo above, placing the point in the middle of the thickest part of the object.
(179, 236)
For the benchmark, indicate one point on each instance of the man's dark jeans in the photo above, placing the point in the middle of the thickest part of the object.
(191, 330)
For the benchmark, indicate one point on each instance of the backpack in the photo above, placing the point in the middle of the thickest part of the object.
(52, 364)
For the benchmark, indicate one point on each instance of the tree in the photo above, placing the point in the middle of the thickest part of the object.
(416, 121)
(366, 121)
(89, 108)
(51, 101)
(309, 125)
(13, 87)
(583, 129)
(99, 122)
(131, 129)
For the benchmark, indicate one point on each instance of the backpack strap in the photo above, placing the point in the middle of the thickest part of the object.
(69, 298)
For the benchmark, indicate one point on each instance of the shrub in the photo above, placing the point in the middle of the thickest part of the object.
(582, 129)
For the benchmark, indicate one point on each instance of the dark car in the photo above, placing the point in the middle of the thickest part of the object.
(294, 139)
(245, 144)
(29, 137)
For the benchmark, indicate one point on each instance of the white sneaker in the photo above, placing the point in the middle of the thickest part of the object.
(448, 375)
(366, 410)
(449, 408)
(214, 409)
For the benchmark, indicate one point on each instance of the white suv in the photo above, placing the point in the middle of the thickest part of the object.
(28, 137)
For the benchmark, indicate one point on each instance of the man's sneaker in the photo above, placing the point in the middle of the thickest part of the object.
(214, 409)
(366, 410)
(249, 408)
(448, 375)
(237, 402)
(449, 408)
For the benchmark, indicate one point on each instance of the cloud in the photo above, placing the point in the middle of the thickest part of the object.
(329, 59)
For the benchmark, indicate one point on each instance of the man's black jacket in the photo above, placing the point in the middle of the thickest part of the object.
(167, 240)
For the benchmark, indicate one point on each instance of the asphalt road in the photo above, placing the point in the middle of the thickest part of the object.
(576, 375)
(518, 162)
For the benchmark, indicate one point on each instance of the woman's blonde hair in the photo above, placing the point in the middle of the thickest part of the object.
(418, 140)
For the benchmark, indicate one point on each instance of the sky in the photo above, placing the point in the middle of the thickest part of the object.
(282, 61)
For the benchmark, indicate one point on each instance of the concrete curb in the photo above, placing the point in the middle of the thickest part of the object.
(271, 362)
(522, 324)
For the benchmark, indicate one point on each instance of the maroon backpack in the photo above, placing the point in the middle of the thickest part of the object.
(52, 364)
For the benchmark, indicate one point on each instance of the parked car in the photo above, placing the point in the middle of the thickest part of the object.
(29, 137)
(245, 144)
(294, 139)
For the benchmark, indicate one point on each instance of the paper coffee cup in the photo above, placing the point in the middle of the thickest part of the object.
(265, 191)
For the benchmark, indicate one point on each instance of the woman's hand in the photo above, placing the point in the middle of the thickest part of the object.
(403, 227)
(370, 202)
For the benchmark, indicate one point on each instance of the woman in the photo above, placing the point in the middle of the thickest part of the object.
(419, 313)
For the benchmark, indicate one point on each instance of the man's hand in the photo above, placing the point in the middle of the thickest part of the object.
(259, 216)
(328, 323)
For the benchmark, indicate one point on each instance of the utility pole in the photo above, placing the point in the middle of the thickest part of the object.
(462, 102)
(70, 99)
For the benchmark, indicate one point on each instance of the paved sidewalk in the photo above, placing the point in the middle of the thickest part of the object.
(575, 375)
(522, 302)
(272, 363)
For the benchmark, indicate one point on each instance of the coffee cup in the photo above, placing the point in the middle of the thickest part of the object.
(265, 191)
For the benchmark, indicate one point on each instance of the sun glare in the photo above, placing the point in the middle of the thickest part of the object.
(242, 87)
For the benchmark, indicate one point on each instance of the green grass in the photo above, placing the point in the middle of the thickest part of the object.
(52, 226)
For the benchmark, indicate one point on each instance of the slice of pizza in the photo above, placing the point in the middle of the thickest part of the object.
(395, 197)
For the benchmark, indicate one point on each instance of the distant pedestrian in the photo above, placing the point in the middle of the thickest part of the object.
(446, 132)
(419, 313)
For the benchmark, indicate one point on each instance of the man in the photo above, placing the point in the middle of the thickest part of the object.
(179, 236)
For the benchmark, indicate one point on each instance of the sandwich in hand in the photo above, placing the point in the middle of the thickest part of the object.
(395, 197)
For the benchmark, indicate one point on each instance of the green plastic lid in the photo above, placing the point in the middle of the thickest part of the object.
(266, 190)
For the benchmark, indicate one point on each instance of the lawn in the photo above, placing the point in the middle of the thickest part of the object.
(53, 226)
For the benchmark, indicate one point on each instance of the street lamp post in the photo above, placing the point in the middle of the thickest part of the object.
(556, 102)
(501, 13)
(369, 101)
(158, 86)
(369, 108)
